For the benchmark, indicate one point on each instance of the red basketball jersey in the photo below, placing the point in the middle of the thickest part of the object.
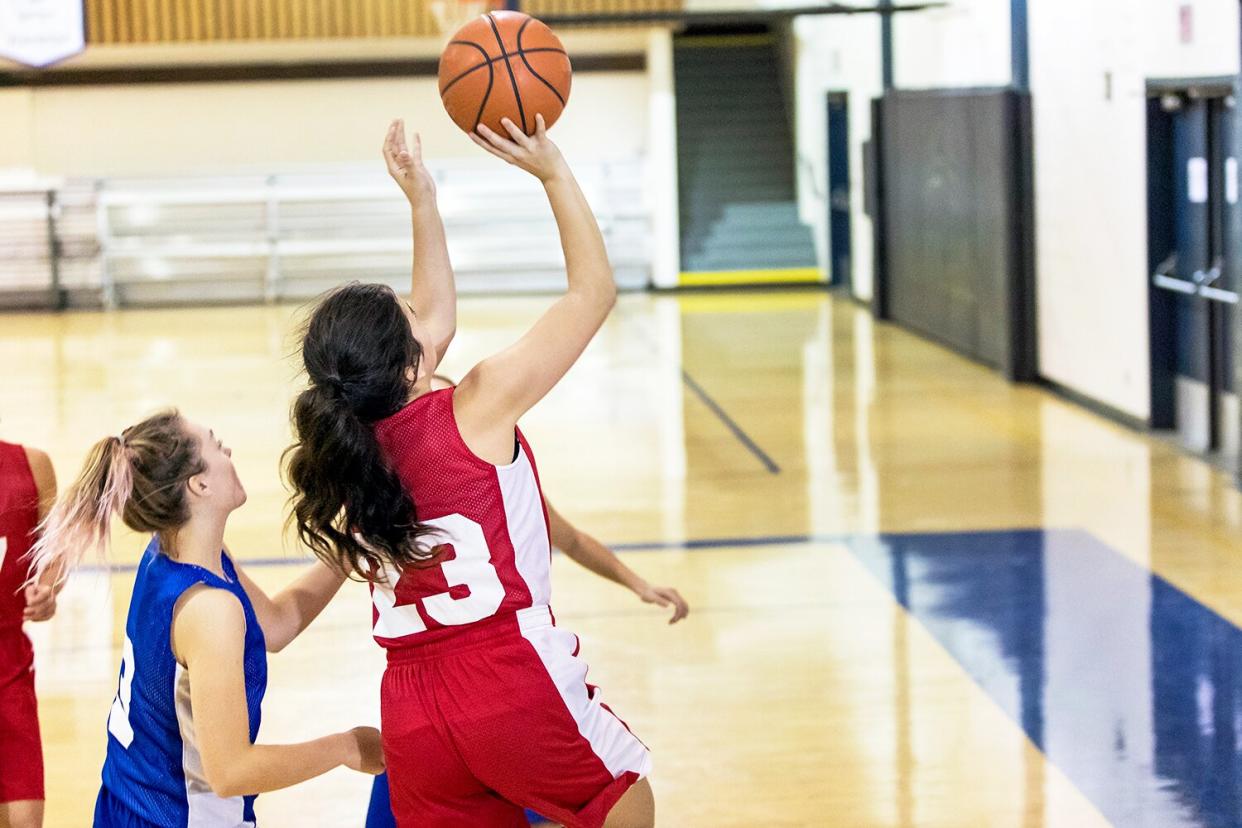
(490, 519)
(19, 516)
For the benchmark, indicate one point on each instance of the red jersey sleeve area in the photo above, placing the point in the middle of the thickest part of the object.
(19, 517)
(490, 521)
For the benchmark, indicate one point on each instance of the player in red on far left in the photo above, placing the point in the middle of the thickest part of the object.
(27, 491)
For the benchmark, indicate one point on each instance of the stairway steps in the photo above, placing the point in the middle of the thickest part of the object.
(735, 162)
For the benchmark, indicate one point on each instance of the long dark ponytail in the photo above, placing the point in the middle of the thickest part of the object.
(348, 504)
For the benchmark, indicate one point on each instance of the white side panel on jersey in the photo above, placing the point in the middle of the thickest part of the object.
(118, 717)
(610, 739)
(528, 529)
(206, 810)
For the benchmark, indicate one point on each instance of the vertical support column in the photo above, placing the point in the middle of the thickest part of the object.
(103, 235)
(662, 188)
(1019, 50)
(56, 296)
(1231, 255)
(273, 283)
(886, 44)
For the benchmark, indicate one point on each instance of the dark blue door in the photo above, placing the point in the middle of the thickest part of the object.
(1194, 227)
(839, 258)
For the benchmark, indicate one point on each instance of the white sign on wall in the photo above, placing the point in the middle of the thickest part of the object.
(41, 32)
(1197, 180)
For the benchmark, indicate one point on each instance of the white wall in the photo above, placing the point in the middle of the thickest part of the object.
(1090, 177)
(963, 44)
(835, 53)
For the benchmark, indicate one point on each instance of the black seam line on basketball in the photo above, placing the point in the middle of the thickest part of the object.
(517, 96)
(491, 75)
(531, 69)
(491, 79)
(449, 85)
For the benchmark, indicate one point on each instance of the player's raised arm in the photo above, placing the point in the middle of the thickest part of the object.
(287, 614)
(503, 387)
(433, 292)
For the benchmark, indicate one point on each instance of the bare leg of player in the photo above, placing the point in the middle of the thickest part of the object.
(635, 809)
(25, 814)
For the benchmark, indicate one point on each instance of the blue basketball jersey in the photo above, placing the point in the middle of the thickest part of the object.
(153, 774)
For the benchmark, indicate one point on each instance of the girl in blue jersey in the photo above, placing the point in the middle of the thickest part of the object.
(182, 729)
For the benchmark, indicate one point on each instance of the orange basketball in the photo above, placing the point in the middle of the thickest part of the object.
(504, 64)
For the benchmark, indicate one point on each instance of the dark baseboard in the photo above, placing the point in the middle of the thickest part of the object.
(1093, 405)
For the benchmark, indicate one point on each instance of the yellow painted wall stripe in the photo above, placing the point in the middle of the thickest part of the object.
(751, 277)
(722, 41)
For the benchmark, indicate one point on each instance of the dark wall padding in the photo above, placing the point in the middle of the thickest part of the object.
(955, 224)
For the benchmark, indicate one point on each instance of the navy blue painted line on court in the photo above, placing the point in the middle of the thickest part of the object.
(650, 546)
(1129, 686)
(723, 416)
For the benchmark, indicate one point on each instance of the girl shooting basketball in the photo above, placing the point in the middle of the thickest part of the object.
(435, 498)
(182, 729)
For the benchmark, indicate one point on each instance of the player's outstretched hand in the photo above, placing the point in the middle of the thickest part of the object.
(665, 597)
(368, 753)
(405, 165)
(534, 153)
(40, 603)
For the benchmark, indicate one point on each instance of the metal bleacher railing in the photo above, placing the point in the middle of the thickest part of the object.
(291, 235)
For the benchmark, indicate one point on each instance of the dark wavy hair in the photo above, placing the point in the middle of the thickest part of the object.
(348, 504)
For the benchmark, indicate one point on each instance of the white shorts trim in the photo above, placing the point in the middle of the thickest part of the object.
(619, 750)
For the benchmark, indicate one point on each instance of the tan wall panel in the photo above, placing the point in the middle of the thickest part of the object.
(16, 113)
(179, 129)
(179, 21)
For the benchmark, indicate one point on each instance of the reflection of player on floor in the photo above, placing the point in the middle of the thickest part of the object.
(590, 553)
(181, 730)
(433, 495)
(27, 490)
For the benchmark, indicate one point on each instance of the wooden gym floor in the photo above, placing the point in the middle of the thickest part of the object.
(920, 596)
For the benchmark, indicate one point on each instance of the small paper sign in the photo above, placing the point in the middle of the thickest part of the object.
(40, 32)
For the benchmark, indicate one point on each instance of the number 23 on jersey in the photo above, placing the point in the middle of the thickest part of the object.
(471, 567)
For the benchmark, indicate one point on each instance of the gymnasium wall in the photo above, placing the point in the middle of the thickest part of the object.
(174, 128)
(964, 44)
(1089, 67)
(160, 129)
(16, 112)
(835, 53)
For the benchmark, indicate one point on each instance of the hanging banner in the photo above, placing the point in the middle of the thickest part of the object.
(40, 32)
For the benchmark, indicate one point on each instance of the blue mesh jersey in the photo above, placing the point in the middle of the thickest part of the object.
(153, 775)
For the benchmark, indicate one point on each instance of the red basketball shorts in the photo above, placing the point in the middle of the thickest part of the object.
(499, 718)
(21, 751)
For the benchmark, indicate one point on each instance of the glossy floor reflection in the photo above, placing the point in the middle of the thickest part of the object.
(743, 447)
(1130, 686)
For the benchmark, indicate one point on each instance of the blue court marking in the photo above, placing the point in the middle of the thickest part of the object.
(1128, 685)
(642, 546)
(723, 416)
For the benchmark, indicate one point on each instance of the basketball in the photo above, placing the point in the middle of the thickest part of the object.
(504, 64)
